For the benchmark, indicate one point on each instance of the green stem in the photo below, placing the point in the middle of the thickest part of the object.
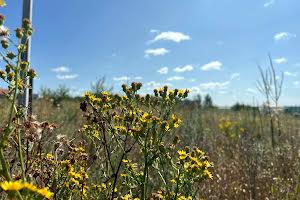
(145, 177)
(4, 171)
(21, 156)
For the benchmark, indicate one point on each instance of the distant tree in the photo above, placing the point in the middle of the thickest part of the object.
(62, 92)
(99, 86)
(198, 100)
(240, 106)
(208, 102)
(57, 95)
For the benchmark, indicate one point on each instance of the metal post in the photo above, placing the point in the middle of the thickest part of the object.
(26, 98)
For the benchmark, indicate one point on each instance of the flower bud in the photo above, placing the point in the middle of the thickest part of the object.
(7, 68)
(4, 32)
(22, 48)
(4, 43)
(2, 74)
(29, 32)
(124, 87)
(10, 55)
(31, 73)
(26, 24)
(176, 92)
(186, 92)
(155, 92)
(10, 76)
(2, 19)
(19, 33)
(138, 86)
(24, 65)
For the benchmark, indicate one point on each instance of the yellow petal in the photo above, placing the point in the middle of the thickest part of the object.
(2, 3)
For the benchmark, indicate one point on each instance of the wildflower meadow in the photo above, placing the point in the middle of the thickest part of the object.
(136, 146)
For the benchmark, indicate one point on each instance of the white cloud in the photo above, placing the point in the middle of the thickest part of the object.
(280, 60)
(186, 68)
(214, 65)
(284, 36)
(269, 3)
(175, 78)
(214, 85)
(126, 78)
(138, 78)
(195, 90)
(235, 76)
(66, 76)
(121, 78)
(290, 74)
(153, 84)
(163, 70)
(156, 52)
(252, 91)
(61, 69)
(171, 36)
(296, 83)
(154, 31)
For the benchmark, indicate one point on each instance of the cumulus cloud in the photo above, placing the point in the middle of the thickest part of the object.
(175, 78)
(154, 31)
(280, 60)
(61, 69)
(195, 90)
(63, 73)
(156, 52)
(121, 78)
(214, 65)
(186, 68)
(284, 36)
(269, 3)
(214, 85)
(286, 73)
(66, 76)
(235, 76)
(163, 70)
(153, 84)
(171, 36)
(251, 90)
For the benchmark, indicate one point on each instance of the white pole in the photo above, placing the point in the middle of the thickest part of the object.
(26, 98)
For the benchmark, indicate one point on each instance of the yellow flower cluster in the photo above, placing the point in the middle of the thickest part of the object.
(194, 161)
(78, 177)
(231, 128)
(161, 195)
(19, 185)
(167, 93)
(129, 197)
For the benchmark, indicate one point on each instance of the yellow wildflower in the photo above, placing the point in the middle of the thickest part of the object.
(19, 185)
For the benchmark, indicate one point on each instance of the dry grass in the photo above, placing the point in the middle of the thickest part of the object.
(245, 164)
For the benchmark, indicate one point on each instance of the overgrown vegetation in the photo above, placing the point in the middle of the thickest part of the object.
(110, 146)
(126, 148)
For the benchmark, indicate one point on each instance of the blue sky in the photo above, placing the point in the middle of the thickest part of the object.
(207, 46)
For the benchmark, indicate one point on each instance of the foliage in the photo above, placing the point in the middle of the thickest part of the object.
(240, 106)
(126, 149)
(56, 96)
(126, 127)
(99, 86)
(208, 102)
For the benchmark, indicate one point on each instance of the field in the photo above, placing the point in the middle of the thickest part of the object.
(165, 145)
(246, 166)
